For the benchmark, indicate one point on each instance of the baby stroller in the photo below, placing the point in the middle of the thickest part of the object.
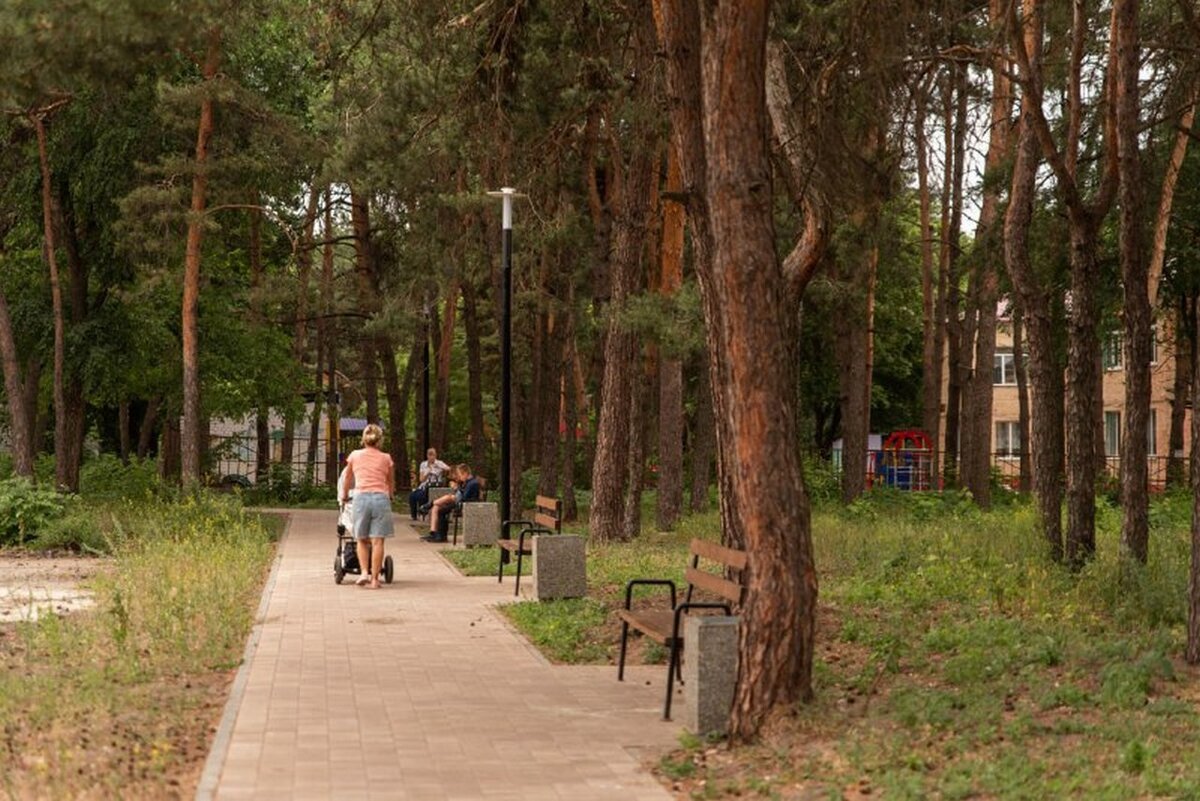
(346, 559)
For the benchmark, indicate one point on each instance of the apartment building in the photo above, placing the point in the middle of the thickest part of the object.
(1006, 436)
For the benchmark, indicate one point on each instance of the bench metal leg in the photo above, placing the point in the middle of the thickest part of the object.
(624, 640)
(500, 572)
(517, 588)
(672, 667)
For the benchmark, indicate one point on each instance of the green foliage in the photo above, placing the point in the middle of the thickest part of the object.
(563, 629)
(107, 477)
(172, 615)
(26, 509)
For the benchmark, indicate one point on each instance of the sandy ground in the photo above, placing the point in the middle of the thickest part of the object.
(32, 585)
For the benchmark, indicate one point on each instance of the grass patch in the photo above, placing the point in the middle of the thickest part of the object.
(119, 702)
(564, 630)
(954, 660)
(484, 562)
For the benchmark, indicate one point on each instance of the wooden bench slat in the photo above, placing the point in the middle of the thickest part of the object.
(719, 553)
(549, 504)
(654, 624)
(549, 522)
(728, 590)
(513, 545)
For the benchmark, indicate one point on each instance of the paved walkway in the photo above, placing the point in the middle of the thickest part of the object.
(421, 691)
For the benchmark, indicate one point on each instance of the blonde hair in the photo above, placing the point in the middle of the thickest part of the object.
(372, 435)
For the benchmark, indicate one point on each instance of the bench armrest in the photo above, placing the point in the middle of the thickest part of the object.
(507, 524)
(531, 530)
(688, 606)
(648, 583)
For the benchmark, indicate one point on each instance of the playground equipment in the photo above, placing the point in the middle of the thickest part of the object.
(906, 461)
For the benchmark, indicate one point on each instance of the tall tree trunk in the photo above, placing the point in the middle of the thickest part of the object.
(69, 452)
(148, 428)
(20, 418)
(190, 434)
(1083, 384)
(474, 376)
(441, 431)
(979, 393)
(750, 316)
(62, 434)
(931, 357)
(1024, 470)
(170, 451)
(570, 413)
(1185, 336)
(636, 463)
(956, 123)
(550, 417)
(1135, 522)
(124, 438)
(669, 501)
(368, 302)
(1192, 652)
(333, 410)
(1046, 376)
(262, 415)
(397, 408)
(703, 441)
(853, 380)
(611, 465)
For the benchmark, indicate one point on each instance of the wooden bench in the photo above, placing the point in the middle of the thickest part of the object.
(547, 519)
(666, 626)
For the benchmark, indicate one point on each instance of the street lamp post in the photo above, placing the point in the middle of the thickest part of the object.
(506, 194)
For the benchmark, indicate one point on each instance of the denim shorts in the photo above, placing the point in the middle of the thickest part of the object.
(372, 516)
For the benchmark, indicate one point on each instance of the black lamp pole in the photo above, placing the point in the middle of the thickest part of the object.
(506, 358)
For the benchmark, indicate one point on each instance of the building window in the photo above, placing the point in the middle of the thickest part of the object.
(1004, 369)
(1112, 349)
(1152, 434)
(1008, 438)
(1112, 433)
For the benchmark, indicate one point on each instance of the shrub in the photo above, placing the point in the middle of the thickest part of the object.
(26, 509)
(106, 476)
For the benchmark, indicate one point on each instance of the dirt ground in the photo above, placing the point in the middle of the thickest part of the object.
(32, 584)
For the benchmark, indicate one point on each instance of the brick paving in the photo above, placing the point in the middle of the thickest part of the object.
(421, 691)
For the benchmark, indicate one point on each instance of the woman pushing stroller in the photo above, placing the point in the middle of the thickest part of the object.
(370, 473)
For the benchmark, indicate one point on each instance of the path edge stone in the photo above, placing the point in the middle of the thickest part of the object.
(210, 776)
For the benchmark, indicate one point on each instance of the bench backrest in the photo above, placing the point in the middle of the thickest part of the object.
(732, 560)
(549, 513)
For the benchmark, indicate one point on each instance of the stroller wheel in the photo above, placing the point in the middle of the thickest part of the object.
(387, 569)
(338, 572)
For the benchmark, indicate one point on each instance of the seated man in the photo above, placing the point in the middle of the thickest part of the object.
(431, 473)
(439, 511)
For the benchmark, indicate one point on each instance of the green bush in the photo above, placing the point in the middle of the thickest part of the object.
(106, 476)
(26, 509)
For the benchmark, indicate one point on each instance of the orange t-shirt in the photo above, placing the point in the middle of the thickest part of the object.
(372, 467)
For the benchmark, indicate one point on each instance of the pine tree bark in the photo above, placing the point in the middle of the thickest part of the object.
(1183, 356)
(62, 434)
(20, 419)
(636, 463)
(753, 337)
(550, 403)
(148, 429)
(364, 268)
(69, 452)
(441, 418)
(474, 376)
(262, 426)
(570, 416)
(703, 441)
(1135, 502)
(170, 455)
(669, 501)
(1024, 469)
(979, 392)
(1046, 376)
(328, 333)
(1192, 652)
(190, 434)
(611, 466)
(956, 102)
(931, 357)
